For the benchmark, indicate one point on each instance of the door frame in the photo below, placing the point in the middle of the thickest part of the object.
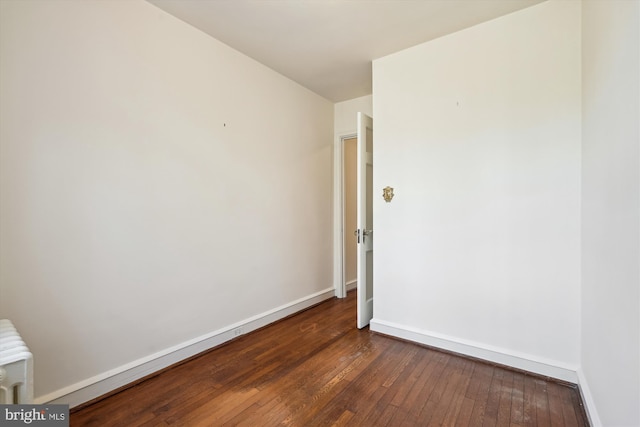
(339, 213)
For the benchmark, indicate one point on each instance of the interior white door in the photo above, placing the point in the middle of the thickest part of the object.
(364, 231)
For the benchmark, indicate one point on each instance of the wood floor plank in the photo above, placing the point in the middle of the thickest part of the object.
(493, 400)
(361, 390)
(542, 403)
(318, 369)
(517, 399)
(464, 415)
(530, 414)
(214, 410)
(408, 382)
(386, 417)
(420, 393)
(432, 391)
(407, 356)
(441, 403)
(343, 419)
(556, 415)
(398, 377)
(367, 389)
(574, 404)
(481, 394)
(457, 394)
(504, 407)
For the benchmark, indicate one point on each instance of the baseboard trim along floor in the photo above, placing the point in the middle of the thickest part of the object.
(547, 368)
(99, 385)
(523, 362)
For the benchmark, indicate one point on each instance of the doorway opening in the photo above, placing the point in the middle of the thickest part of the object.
(346, 236)
(349, 188)
(342, 231)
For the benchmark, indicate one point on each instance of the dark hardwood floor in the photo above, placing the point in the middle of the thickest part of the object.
(317, 368)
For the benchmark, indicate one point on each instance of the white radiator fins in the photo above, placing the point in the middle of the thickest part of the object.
(16, 367)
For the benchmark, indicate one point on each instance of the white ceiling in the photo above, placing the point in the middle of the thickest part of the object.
(328, 45)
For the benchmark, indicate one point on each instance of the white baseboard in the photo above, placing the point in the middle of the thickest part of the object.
(587, 399)
(106, 382)
(548, 368)
(351, 285)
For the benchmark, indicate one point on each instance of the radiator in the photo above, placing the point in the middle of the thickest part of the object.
(16, 367)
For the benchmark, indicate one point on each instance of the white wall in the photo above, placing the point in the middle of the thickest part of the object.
(479, 134)
(611, 210)
(155, 186)
(345, 119)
